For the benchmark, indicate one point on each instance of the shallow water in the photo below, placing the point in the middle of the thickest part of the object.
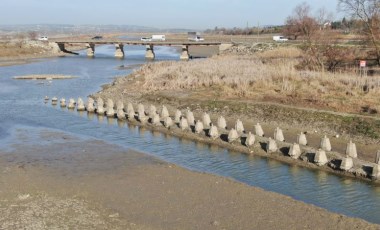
(22, 107)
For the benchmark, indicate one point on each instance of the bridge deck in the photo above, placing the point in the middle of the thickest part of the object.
(134, 42)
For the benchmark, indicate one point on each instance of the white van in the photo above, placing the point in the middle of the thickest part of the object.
(279, 38)
(43, 38)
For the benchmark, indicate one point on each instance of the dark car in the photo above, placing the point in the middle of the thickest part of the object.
(97, 37)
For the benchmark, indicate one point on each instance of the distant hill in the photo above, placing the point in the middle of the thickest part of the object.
(51, 29)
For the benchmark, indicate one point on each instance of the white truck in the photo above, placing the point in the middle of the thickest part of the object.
(158, 38)
(279, 38)
(194, 36)
(196, 39)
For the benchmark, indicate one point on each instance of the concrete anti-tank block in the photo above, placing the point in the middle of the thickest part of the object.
(376, 168)
(177, 116)
(320, 157)
(206, 120)
(110, 112)
(301, 139)
(99, 106)
(239, 127)
(119, 105)
(71, 104)
(183, 124)
(156, 120)
(62, 102)
(140, 110)
(54, 100)
(222, 124)
(278, 135)
(120, 114)
(199, 127)
(213, 132)
(80, 105)
(250, 139)
(168, 122)
(346, 164)
(294, 151)
(259, 130)
(351, 150)
(233, 135)
(90, 105)
(152, 111)
(190, 117)
(164, 112)
(130, 109)
(271, 146)
(325, 143)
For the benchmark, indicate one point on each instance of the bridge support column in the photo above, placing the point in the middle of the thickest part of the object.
(224, 46)
(119, 53)
(185, 53)
(149, 52)
(90, 50)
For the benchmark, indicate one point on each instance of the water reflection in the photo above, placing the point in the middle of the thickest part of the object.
(120, 123)
(294, 170)
(213, 148)
(200, 145)
(168, 137)
(110, 120)
(141, 130)
(100, 118)
(322, 176)
(156, 134)
(91, 116)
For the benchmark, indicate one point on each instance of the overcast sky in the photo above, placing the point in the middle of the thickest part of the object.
(196, 14)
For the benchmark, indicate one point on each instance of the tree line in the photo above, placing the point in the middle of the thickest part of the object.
(320, 33)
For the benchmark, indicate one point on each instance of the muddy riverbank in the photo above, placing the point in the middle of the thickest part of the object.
(67, 182)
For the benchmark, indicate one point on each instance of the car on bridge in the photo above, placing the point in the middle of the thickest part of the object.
(97, 37)
(146, 39)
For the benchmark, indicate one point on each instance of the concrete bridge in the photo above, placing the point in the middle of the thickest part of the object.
(119, 46)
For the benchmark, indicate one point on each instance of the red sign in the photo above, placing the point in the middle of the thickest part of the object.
(363, 63)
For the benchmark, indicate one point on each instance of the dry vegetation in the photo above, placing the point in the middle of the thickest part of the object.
(266, 76)
(22, 48)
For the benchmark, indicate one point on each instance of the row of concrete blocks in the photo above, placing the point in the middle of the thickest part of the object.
(188, 122)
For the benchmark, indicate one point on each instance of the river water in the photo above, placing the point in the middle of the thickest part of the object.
(22, 106)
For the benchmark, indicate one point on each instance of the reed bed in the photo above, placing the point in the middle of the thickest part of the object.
(268, 74)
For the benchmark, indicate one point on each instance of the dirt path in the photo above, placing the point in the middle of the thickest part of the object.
(67, 182)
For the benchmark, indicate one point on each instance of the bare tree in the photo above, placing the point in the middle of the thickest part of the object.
(32, 35)
(323, 16)
(368, 12)
(301, 23)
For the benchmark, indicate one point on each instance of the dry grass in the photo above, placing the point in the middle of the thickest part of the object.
(267, 76)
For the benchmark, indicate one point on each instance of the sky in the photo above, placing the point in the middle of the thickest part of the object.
(191, 14)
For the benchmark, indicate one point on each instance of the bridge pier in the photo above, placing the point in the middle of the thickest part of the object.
(185, 53)
(149, 52)
(119, 53)
(90, 49)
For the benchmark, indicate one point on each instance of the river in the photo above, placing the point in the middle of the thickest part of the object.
(22, 106)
